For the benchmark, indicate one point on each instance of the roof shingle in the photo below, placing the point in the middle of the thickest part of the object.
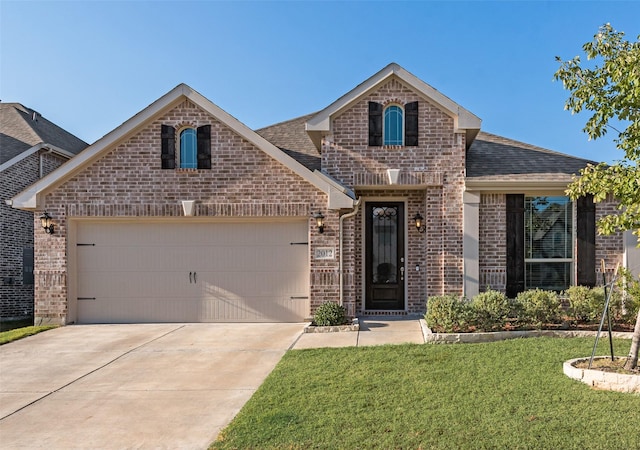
(493, 157)
(21, 128)
(291, 137)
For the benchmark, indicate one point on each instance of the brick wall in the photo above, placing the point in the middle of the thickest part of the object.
(610, 248)
(436, 166)
(16, 233)
(129, 182)
(493, 243)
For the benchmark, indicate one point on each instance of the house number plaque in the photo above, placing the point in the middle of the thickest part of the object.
(325, 253)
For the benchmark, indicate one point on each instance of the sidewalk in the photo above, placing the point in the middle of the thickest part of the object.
(373, 331)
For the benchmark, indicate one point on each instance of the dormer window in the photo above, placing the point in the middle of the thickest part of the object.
(393, 125)
(194, 148)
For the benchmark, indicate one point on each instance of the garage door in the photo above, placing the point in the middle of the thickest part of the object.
(195, 272)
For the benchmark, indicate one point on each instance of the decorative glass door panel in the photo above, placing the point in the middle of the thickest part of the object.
(384, 256)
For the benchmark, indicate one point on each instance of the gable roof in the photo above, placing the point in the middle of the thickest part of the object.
(22, 128)
(31, 198)
(320, 123)
(495, 160)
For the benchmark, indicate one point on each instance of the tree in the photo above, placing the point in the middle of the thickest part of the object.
(610, 90)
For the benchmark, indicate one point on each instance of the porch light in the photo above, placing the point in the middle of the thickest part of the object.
(319, 221)
(419, 220)
(47, 223)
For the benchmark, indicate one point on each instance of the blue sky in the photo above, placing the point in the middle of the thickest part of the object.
(90, 65)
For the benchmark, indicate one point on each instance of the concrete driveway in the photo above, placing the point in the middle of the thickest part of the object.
(133, 386)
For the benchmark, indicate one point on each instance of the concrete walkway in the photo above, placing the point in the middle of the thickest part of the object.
(373, 331)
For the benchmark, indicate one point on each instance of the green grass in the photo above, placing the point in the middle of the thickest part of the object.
(19, 333)
(503, 395)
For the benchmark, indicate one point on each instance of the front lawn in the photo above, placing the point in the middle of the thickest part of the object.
(509, 394)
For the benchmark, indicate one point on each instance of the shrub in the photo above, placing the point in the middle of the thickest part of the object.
(448, 314)
(539, 307)
(491, 310)
(585, 304)
(330, 313)
(630, 302)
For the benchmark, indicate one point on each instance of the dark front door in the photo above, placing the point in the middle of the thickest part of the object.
(384, 256)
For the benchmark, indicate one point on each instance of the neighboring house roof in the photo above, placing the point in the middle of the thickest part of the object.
(494, 160)
(22, 128)
(31, 198)
(320, 123)
(290, 137)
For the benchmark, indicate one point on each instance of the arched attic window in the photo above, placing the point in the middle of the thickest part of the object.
(188, 149)
(193, 149)
(393, 133)
(393, 125)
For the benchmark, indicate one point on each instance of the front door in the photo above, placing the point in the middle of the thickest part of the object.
(384, 256)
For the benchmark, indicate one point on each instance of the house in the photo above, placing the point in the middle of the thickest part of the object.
(390, 194)
(30, 147)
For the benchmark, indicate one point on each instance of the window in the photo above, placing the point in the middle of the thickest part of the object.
(393, 125)
(188, 149)
(548, 223)
(194, 151)
(543, 249)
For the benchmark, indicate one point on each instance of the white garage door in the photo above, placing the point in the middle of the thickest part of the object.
(195, 272)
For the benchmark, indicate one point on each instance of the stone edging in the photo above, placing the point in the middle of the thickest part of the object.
(600, 379)
(453, 338)
(355, 326)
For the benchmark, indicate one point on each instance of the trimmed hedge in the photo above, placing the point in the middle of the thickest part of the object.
(448, 314)
(491, 310)
(536, 308)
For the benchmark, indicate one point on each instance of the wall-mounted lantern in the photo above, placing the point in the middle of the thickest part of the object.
(319, 221)
(47, 223)
(419, 220)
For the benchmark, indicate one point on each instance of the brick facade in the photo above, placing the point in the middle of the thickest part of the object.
(435, 166)
(16, 233)
(129, 182)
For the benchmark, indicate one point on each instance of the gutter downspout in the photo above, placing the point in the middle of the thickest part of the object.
(351, 214)
(48, 152)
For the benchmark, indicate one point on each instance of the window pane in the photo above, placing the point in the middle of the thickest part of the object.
(384, 245)
(393, 126)
(548, 236)
(548, 227)
(188, 149)
(552, 276)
